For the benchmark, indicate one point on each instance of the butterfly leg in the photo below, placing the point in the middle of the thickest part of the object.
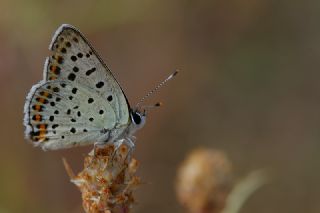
(97, 146)
(117, 145)
(102, 142)
(130, 143)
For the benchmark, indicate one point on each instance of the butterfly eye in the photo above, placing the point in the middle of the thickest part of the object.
(136, 117)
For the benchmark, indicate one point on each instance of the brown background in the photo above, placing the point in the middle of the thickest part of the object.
(249, 85)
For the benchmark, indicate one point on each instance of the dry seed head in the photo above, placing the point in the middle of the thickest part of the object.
(107, 181)
(204, 181)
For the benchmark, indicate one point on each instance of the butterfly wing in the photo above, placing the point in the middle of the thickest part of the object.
(74, 59)
(62, 115)
(78, 101)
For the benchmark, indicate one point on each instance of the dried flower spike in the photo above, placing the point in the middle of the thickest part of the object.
(107, 181)
(204, 181)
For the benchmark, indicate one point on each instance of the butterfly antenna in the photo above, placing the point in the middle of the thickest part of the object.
(156, 88)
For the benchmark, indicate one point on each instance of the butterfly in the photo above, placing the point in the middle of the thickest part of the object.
(78, 102)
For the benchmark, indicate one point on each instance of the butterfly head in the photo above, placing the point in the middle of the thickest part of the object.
(138, 118)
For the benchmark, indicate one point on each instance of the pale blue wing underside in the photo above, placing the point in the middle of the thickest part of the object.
(79, 101)
(82, 62)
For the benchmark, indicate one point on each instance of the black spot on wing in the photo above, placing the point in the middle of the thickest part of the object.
(90, 71)
(75, 69)
(56, 89)
(74, 90)
(73, 58)
(100, 84)
(71, 76)
(90, 100)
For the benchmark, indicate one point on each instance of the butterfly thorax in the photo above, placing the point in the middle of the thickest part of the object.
(123, 131)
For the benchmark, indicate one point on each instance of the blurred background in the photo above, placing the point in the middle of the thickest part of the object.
(249, 85)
